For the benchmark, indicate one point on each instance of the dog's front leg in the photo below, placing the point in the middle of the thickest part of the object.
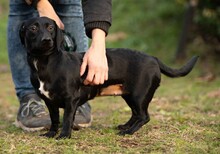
(69, 113)
(54, 116)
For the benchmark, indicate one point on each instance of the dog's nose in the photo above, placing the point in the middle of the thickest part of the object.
(46, 39)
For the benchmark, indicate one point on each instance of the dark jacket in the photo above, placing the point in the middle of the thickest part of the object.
(97, 14)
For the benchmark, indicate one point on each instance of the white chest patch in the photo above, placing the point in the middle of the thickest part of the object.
(42, 90)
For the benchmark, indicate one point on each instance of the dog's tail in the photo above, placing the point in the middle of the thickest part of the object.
(184, 70)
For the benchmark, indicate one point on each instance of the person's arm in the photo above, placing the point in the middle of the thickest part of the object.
(45, 9)
(97, 20)
(95, 59)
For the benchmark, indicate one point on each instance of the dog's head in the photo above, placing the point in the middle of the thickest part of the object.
(40, 35)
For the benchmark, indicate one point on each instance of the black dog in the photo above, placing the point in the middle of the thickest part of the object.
(56, 78)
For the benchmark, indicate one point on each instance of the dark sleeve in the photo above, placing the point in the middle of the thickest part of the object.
(97, 14)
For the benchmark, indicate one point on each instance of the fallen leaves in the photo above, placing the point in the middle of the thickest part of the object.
(214, 94)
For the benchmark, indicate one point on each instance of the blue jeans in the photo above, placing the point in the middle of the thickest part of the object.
(69, 11)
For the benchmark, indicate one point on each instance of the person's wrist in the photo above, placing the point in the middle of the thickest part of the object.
(42, 5)
(98, 40)
(45, 9)
(98, 33)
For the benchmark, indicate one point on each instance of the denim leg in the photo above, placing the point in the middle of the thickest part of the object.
(19, 11)
(70, 12)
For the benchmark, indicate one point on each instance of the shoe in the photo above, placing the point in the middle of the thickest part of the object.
(31, 114)
(83, 117)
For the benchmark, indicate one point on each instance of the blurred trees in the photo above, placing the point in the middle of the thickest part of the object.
(208, 19)
(202, 18)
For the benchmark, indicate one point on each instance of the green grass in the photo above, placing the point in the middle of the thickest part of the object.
(184, 119)
(3, 25)
(184, 112)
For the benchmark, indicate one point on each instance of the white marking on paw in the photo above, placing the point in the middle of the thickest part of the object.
(42, 90)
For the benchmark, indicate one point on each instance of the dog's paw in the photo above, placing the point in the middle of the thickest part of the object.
(49, 134)
(63, 136)
(125, 132)
(121, 133)
(122, 127)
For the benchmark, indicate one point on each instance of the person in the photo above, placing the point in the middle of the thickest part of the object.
(89, 17)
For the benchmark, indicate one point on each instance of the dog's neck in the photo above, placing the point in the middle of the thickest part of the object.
(40, 54)
(41, 58)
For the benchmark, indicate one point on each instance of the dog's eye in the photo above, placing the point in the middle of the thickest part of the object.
(50, 28)
(33, 28)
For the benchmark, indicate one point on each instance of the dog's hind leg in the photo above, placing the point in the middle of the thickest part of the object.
(130, 102)
(139, 105)
(138, 119)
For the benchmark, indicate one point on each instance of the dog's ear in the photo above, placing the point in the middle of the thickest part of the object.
(59, 37)
(22, 32)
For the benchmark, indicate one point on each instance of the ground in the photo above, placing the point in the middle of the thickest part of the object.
(184, 119)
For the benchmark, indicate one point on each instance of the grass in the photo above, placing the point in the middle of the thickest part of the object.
(184, 119)
(184, 112)
(3, 24)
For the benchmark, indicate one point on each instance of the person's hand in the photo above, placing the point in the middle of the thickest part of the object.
(95, 59)
(45, 9)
